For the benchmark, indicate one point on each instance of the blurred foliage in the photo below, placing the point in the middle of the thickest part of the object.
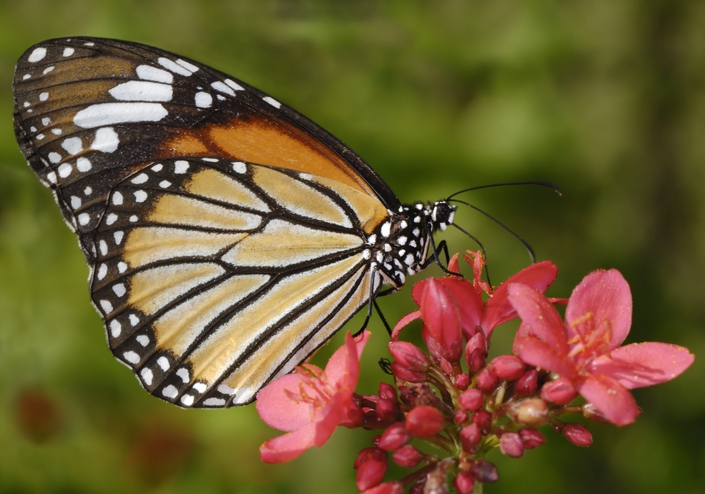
(604, 98)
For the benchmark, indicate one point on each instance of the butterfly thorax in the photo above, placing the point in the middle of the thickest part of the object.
(400, 245)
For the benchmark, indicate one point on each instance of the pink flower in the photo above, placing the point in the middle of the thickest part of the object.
(586, 349)
(311, 403)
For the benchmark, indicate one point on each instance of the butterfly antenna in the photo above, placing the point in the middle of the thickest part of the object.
(514, 234)
(540, 183)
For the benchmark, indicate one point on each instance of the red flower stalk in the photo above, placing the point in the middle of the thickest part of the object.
(586, 349)
(311, 403)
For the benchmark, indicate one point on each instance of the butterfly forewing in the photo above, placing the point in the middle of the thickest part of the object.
(228, 236)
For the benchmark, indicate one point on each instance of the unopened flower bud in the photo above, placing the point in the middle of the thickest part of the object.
(476, 361)
(560, 391)
(470, 437)
(460, 417)
(526, 385)
(409, 355)
(464, 482)
(487, 382)
(577, 434)
(532, 412)
(484, 471)
(394, 437)
(424, 421)
(483, 419)
(405, 374)
(387, 391)
(446, 367)
(531, 438)
(387, 410)
(407, 456)
(471, 399)
(507, 367)
(462, 381)
(510, 444)
(371, 470)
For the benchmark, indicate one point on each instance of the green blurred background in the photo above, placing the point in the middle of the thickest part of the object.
(605, 98)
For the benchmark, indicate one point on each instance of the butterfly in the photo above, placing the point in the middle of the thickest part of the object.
(227, 236)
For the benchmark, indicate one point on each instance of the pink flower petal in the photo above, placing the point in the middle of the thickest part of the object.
(277, 407)
(403, 322)
(643, 364)
(541, 317)
(343, 368)
(468, 302)
(499, 310)
(610, 398)
(289, 446)
(534, 351)
(441, 317)
(606, 295)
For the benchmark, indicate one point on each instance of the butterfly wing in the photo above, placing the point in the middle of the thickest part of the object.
(225, 232)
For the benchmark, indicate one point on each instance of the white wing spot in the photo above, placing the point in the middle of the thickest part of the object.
(76, 202)
(133, 218)
(140, 196)
(222, 87)
(272, 101)
(140, 179)
(118, 235)
(72, 145)
(163, 363)
(102, 271)
(117, 198)
(131, 357)
(68, 52)
(183, 374)
(40, 137)
(134, 319)
(106, 306)
(106, 140)
(214, 402)
(83, 165)
(143, 339)
(45, 121)
(37, 55)
(199, 387)
(170, 391)
(65, 170)
(103, 246)
(26, 76)
(187, 400)
(47, 70)
(56, 132)
(187, 65)
(234, 85)
(174, 67)
(115, 328)
(239, 167)
(44, 96)
(150, 73)
(119, 289)
(142, 91)
(180, 167)
(54, 157)
(51, 176)
(88, 191)
(102, 114)
(226, 390)
(164, 184)
(147, 376)
(122, 267)
(158, 167)
(203, 100)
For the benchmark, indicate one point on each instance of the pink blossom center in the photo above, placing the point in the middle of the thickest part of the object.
(592, 338)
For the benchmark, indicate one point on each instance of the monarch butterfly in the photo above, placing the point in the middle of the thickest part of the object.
(228, 237)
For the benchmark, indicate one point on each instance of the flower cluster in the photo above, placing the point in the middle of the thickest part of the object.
(453, 396)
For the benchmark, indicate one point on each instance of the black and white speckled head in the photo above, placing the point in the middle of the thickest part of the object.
(399, 246)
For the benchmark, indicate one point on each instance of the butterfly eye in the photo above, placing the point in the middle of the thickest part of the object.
(228, 236)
